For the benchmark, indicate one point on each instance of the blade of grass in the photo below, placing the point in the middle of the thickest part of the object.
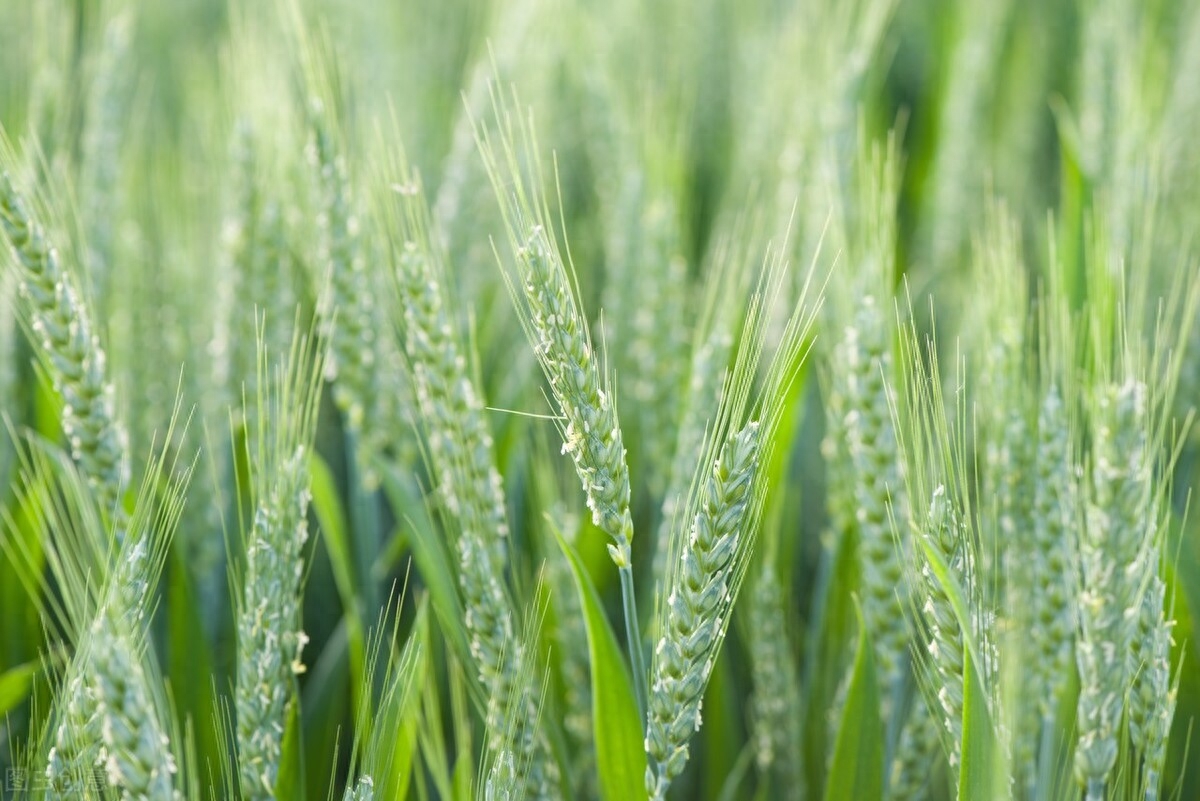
(620, 757)
(857, 767)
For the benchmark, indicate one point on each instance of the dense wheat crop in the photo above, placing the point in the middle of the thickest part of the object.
(565, 399)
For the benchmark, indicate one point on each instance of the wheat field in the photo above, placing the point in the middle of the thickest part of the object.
(554, 399)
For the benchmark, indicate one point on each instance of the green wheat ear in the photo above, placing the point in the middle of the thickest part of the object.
(269, 632)
(108, 711)
(544, 292)
(461, 455)
(61, 322)
(713, 541)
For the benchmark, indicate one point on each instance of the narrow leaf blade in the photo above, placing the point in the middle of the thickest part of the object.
(857, 767)
(620, 755)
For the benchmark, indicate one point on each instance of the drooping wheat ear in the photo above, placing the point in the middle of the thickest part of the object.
(591, 433)
(270, 637)
(543, 289)
(1052, 563)
(865, 358)
(61, 323)
(1116, 530)
(1153, 694)
(916, 751)
(700, 588)
(775, 705)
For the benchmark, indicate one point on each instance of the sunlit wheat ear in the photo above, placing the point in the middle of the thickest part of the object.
(714, 540)
(270, 637)
(542, 286)
(56, 313)
(701, 589)
(544, 291)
